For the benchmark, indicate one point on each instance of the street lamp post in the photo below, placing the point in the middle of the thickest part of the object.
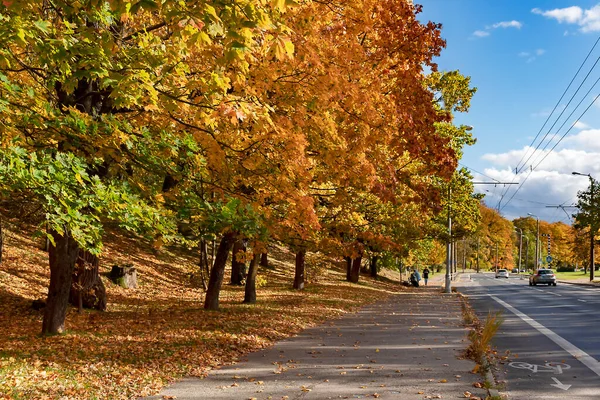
(526, 253)
(592, 233)
(520, 250)
(537, 241)
(496, 257)
(447, 288)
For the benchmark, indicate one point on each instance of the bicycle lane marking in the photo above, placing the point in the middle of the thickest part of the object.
(569, 347)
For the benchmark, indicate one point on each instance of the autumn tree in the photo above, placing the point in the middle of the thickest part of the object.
(92, 104)
(497, 238)
(588, 216)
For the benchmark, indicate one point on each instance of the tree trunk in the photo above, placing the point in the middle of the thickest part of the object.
(1, 241)
(217, 272)
(238, 268)
(62, 256)
(203, 265)
(374, 260)
(299, 275)
(87, 289)
(264, 260)
(250, 292)
(355, 271)
(348, 267)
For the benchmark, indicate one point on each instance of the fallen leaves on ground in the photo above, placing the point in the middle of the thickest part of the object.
(157, 333)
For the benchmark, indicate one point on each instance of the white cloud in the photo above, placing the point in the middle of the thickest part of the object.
(591, 19)
(580, 125)
(569, 15)
(588, 20)
(536, 191)
(585, 140)
(481, 33)
(502, 24)
(539, 114)
(508, 24)
(551, 183)
(529, 56)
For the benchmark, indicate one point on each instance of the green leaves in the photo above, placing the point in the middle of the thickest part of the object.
(73, 200)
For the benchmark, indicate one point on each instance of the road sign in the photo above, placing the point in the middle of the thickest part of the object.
(549, 259)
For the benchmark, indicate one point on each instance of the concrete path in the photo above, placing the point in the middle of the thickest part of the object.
(407, 347)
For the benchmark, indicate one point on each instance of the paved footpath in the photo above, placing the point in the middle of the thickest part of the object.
(406, 347)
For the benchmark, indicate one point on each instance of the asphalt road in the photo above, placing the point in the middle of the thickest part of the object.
(550, 335)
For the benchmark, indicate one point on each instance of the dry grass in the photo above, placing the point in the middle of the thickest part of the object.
(156, 333)
(481, 336)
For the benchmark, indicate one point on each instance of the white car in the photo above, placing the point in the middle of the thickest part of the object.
(502, 273)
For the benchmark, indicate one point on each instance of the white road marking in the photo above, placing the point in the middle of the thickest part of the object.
(584, 301)
(575, 351)
(559, 384)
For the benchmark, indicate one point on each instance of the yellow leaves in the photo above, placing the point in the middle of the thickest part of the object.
(158, 243)
(283, 48)
(279, 4)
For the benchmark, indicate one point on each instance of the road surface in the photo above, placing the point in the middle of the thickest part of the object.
(550, 335)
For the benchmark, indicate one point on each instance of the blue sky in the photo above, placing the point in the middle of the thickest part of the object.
(521, 56)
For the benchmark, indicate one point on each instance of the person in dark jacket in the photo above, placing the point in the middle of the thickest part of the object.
(425, 275)
(415, 278)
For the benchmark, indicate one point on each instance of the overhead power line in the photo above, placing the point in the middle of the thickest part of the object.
(558, 102)
(480, 173)
(563, 111)
(552, 149)
(517, 170)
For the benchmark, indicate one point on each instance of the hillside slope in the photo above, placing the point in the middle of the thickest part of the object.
(158, 332)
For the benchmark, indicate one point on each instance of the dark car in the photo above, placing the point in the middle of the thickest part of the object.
(543, 276)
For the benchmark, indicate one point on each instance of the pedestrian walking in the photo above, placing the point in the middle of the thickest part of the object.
(425, 275)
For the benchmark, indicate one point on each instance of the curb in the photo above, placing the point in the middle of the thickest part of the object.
(489, 377)
(579, 283)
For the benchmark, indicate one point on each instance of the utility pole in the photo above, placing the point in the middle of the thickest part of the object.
(447, 288)
(537, 242)
(548, 256)
(496, 257)
(592, 228)
(520, 249)
(527, 253)
(464, 255)
(478, 254)
(455, 256)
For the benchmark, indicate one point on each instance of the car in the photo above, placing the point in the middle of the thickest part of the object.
(502, 273)
(543, 275)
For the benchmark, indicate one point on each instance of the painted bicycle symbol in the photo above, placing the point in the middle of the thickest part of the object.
(552, 367)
